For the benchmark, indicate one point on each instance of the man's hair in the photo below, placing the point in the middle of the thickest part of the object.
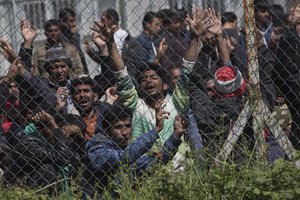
(228, 17)
(113, 15)
(161, 14)
(52, 22)
(64, 13)
(148, 18)
(258, 4)
(182, 13)
(85, 80)
(57, 54)
(278, 15)
(115, 113)
(161, 71)
(169, 16)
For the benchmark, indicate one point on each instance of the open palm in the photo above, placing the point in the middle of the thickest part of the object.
(28, 32)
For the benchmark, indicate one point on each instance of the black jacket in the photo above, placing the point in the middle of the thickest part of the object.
(212, 113)
(288, 60)
(31, 153)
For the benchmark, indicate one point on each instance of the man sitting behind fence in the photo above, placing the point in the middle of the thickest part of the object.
(110, 150)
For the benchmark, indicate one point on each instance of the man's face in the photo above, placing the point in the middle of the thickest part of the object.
(53, 33)
(14, 92)
(121, 132)
(70, 21)
(151, 83)
(154, 26)
(174, 26)
(84, 97)
(59, 72)
(262, 16)
(294, 15)
(106, 20)
(183, 24)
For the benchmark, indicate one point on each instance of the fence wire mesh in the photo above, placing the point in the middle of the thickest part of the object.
(104, 96)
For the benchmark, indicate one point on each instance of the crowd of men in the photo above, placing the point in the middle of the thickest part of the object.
(176, 88)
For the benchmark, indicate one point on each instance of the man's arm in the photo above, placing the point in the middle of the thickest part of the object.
(197, 25)
(29, 33)
(170, 146)
(217, 30)
(126, 88)
(105, 155)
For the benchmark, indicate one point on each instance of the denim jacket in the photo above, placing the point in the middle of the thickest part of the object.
(147, 44)
(104, 156)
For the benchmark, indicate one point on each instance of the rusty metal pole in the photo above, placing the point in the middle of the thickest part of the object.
(254, 80)
(255, 106)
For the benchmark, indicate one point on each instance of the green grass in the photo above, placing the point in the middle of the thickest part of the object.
(280, 181)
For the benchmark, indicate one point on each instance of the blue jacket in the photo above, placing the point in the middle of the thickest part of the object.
(147, 44)
(103, 158)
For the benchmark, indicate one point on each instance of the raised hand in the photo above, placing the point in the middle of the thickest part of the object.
(111, 95)
(61, 97)
(87, 44)
(199, 23)
(7, 51)
(15, 68)
(161, 115)
(99, 42)
(106, 33)
(180, 125)
(163, 46)
(215, 22)
(29, 33)
(44, 119)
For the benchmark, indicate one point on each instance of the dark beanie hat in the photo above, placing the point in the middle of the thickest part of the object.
(55, 54)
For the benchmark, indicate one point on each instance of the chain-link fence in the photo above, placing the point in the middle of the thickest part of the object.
(150, 99)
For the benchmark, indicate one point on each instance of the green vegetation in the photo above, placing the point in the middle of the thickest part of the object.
(280, 181)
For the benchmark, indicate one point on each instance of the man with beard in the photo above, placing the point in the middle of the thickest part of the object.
(111, 149)
(57, 64)
(151, 26)
(70, 32)
(153, 88)
(54, 39)
(85, 97)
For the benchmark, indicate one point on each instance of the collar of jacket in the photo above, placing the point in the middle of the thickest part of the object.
(146, 36)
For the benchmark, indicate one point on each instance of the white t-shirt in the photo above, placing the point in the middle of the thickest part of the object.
(120, 36)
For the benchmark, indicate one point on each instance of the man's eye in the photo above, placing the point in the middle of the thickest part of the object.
(118, 127)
